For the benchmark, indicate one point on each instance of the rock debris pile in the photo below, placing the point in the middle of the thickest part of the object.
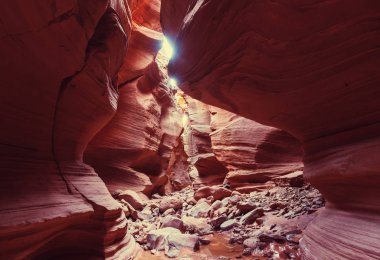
(267, 223)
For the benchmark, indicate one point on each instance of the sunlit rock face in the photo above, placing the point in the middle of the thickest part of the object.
(226, 148)
(145, 39)
(206, 168)
(134, 149)
(312, 69)
(178, 170)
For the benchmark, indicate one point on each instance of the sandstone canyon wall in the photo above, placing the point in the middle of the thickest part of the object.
(62, 65)
(85, 110)
(226, 148)
(134, 149)
(312, 69)
(254, 154)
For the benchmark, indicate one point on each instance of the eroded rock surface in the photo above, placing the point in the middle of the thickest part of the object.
(226, 148)
(280, 64)
(133, 150)
(60, 62)
(63, 63)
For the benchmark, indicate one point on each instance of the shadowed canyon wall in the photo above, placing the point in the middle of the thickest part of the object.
(312, 69)
(60, 75)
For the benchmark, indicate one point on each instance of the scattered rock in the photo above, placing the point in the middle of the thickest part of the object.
(156, 238)
(221, 211)
(167, 212)
(184, 240)
(277, 205)
(294, 179)
(259, 221)
(227, 225)
(293, 238)
(171, 240)
(250, 243)
(191, 201)
(251, 216)
(247, 252)
(233, 200)
(132, 198)
(216, 205)
(200, 209)
(271, 237)
(217, 221)
(220, 193)
(172, 221)
(170, 203)
(197, 225)
(245, 207)
(241, 215)
(203, 192)
(156, 196)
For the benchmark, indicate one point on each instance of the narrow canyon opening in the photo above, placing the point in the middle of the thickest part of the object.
(192, 129)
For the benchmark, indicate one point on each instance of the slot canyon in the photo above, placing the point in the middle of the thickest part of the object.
(190, 129)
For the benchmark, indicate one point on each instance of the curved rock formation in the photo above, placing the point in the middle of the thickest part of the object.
(60, 61)
(206, 169)
(312, 69)
(144, 42)
(133, 150)
(224, 147)
(252, 153)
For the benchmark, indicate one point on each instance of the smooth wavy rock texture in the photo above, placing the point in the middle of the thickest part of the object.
(145, 40)
(59, 72)
(133, 151)
(253, 153)
(205, 168)
(312, 69)
(226, 148)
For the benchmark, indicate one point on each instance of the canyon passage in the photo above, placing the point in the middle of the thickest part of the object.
(190, 129)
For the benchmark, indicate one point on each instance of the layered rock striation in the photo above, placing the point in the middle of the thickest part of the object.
(134, 149)
(60, 73)
(254, 154)
(310, 68)
(226, 148)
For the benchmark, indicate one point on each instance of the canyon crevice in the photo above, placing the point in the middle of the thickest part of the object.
(108, 147)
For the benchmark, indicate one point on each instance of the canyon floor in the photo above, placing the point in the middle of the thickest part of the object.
(217, 223)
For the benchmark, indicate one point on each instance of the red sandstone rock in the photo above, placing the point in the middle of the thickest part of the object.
(144, 42)
(178, 168)
(253, 153)
(59, 68)
(294, 179)
(174, 222)
(203, 192)
(207, 170)
(132, 198)
(284, 66)
(221, 193)
(170, 203)
(127, 160)
(218, 140)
